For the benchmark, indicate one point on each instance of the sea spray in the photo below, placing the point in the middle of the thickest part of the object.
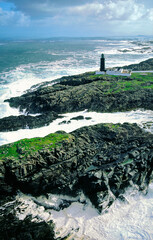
(39, 61)
(131, 219)
(144, 118)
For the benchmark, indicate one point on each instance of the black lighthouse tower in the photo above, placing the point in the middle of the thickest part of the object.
(102, 63)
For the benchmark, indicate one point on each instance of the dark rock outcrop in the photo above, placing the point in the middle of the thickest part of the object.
(13, 123)
(94, 97)
(102, 160)
(142, 66)
(14, 229)
(76, 93)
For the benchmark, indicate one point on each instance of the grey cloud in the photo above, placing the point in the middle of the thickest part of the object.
(120, 10)
(13, 18)
(46, 8)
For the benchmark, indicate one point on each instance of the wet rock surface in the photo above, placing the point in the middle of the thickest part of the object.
(142, 66)
(75, 93)
(101, 160)
(14, 229)
(13, 123)
(93, 96)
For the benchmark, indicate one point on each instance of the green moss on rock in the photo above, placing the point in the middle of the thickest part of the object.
(137, 81)
(22, 148)
(128, 161)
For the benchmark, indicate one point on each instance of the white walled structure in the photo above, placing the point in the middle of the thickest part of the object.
(121, 72)
(115, 73)
(100, 73)
(118, 73)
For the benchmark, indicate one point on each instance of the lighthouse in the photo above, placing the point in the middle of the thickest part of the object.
(102, 63)
(103, 71)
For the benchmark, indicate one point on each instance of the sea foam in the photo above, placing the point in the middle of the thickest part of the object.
(131, 219)
(141, 117)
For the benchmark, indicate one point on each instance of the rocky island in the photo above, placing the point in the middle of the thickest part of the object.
(100, 160)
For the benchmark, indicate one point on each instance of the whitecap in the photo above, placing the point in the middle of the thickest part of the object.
(89, 118)
(123, 220)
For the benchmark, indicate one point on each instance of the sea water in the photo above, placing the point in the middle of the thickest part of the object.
(144, 118)
(27, 63)
(123, 221)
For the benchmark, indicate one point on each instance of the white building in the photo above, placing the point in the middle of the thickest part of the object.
(121, 72)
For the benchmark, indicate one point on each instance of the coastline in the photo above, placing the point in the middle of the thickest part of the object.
(75, 93)
(17, 169)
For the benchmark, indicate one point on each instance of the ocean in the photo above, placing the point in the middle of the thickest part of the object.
(27, 63)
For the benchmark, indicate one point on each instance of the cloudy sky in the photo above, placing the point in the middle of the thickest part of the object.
(75, 18)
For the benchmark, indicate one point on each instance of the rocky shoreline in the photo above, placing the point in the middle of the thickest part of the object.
(101, 160)
(142, 66)
(14, 229)
(75, 93)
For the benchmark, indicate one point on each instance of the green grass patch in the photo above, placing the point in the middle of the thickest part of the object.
(128, 161)
(25, 147)
(115, 84)
(142, 76)
(112, 126)
(118, 84)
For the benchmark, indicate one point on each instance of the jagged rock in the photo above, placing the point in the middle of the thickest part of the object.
(76, 93)
(14, 229)
(77, 118)
(102, 160)
(90, 96)
(142, 66)
(13, 123)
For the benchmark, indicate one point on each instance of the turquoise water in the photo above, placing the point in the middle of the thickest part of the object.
(26, 63)
(79, 52)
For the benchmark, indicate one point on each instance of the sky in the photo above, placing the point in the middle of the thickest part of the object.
(75, 18)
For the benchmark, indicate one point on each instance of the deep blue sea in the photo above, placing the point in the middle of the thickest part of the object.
(27, 63)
